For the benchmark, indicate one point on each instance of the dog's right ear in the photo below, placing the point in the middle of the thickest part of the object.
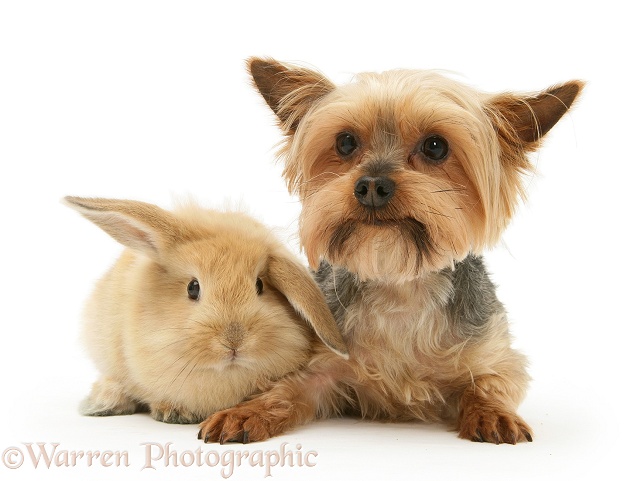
(289, 90)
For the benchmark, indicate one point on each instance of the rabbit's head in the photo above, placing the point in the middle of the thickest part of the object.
(213, 289)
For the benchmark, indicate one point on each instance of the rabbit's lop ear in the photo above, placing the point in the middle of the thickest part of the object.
(138, 225)
(303, 294)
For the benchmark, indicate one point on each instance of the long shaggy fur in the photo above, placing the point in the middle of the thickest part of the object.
(427, 337)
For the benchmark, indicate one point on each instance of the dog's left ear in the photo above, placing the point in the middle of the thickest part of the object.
(288, 90)
(522, 121)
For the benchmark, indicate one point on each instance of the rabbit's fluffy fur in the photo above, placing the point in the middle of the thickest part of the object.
(159, 347)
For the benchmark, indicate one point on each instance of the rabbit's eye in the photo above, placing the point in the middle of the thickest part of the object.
(193, 290)
(259, 286)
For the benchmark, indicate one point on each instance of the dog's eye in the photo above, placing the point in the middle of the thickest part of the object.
(435, 149)
(193, 290)
(346, 144)
(259, 285)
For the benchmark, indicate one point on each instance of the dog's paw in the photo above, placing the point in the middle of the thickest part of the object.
(171, 414)
(248, 422)
(492, 426)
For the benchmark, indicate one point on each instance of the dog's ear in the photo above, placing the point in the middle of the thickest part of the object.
(522, 120)
(289, 90)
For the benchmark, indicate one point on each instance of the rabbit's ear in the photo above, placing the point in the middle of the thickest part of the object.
(303, 294)
(138, 225)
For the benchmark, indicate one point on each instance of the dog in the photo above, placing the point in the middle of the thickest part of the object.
(404, 177)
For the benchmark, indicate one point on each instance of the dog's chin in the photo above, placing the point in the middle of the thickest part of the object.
(392, 251)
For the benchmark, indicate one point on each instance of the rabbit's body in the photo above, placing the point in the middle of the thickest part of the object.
(158, 346)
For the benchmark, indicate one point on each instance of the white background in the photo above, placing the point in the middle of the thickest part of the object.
(150, 100)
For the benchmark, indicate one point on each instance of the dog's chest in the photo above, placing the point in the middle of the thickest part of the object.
(398, 338)
(398, 318)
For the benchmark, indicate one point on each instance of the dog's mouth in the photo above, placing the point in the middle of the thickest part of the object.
(411, 231)
(381, 218)
(379, 223)
(376, 221)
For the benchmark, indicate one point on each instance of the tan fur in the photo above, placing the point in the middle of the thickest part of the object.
(183, 358)
(387, 378)
(409, 358)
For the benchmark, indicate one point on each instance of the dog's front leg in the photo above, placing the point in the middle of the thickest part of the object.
(487, 413)
(311, 393)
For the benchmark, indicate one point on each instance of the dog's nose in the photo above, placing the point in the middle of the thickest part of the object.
(374, 191)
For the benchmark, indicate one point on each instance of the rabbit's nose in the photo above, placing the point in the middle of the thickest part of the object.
(234, 335)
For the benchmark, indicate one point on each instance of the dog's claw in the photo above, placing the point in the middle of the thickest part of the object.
(245, 423)
(199, 434)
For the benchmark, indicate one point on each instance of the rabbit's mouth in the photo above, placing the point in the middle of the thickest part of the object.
(233, 357)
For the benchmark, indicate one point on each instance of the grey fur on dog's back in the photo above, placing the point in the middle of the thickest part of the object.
(473, 300)
(339, 287)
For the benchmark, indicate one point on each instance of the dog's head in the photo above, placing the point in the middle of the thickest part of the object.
(403, 172)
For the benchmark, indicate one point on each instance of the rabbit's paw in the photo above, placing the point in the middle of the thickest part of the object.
(108, 398)
(172, 414)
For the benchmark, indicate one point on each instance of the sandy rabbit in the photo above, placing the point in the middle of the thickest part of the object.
(202, 309)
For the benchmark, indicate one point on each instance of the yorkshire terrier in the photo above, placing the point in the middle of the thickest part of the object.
(404, 178)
